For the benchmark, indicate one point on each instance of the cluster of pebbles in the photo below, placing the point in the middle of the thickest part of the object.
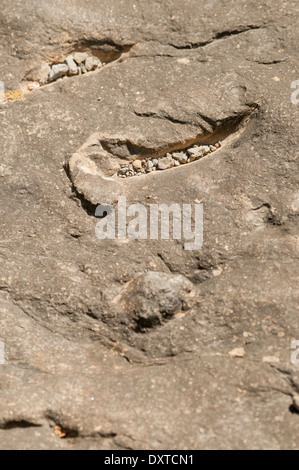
(75, 64)
(170, 160)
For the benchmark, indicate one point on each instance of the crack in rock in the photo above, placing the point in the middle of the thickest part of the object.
(220, 35)
(18, 423)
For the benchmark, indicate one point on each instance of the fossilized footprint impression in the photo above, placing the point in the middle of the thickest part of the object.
(102, 169)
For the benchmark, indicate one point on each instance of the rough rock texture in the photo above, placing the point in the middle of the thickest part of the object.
(176, 73)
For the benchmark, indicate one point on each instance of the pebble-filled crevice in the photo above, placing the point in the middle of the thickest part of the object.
(171, 160)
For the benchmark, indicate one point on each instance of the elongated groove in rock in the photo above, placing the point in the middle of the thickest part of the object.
(175, 156)
(85, 164)
(98, 54)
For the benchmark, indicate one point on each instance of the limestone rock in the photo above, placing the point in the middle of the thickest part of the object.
(137, 165)
(80, 57)
(154, 297)
(92, 64)
(58, 71)
(165, 163)
(73, 69)
(91, 341)
(40, 73)
(181, 157)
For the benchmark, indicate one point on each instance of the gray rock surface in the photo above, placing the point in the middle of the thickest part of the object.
(95, 343)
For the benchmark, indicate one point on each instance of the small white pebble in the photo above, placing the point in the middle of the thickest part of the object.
(237, 352)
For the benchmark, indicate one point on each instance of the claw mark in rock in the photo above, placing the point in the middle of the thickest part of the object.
(97, 168)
